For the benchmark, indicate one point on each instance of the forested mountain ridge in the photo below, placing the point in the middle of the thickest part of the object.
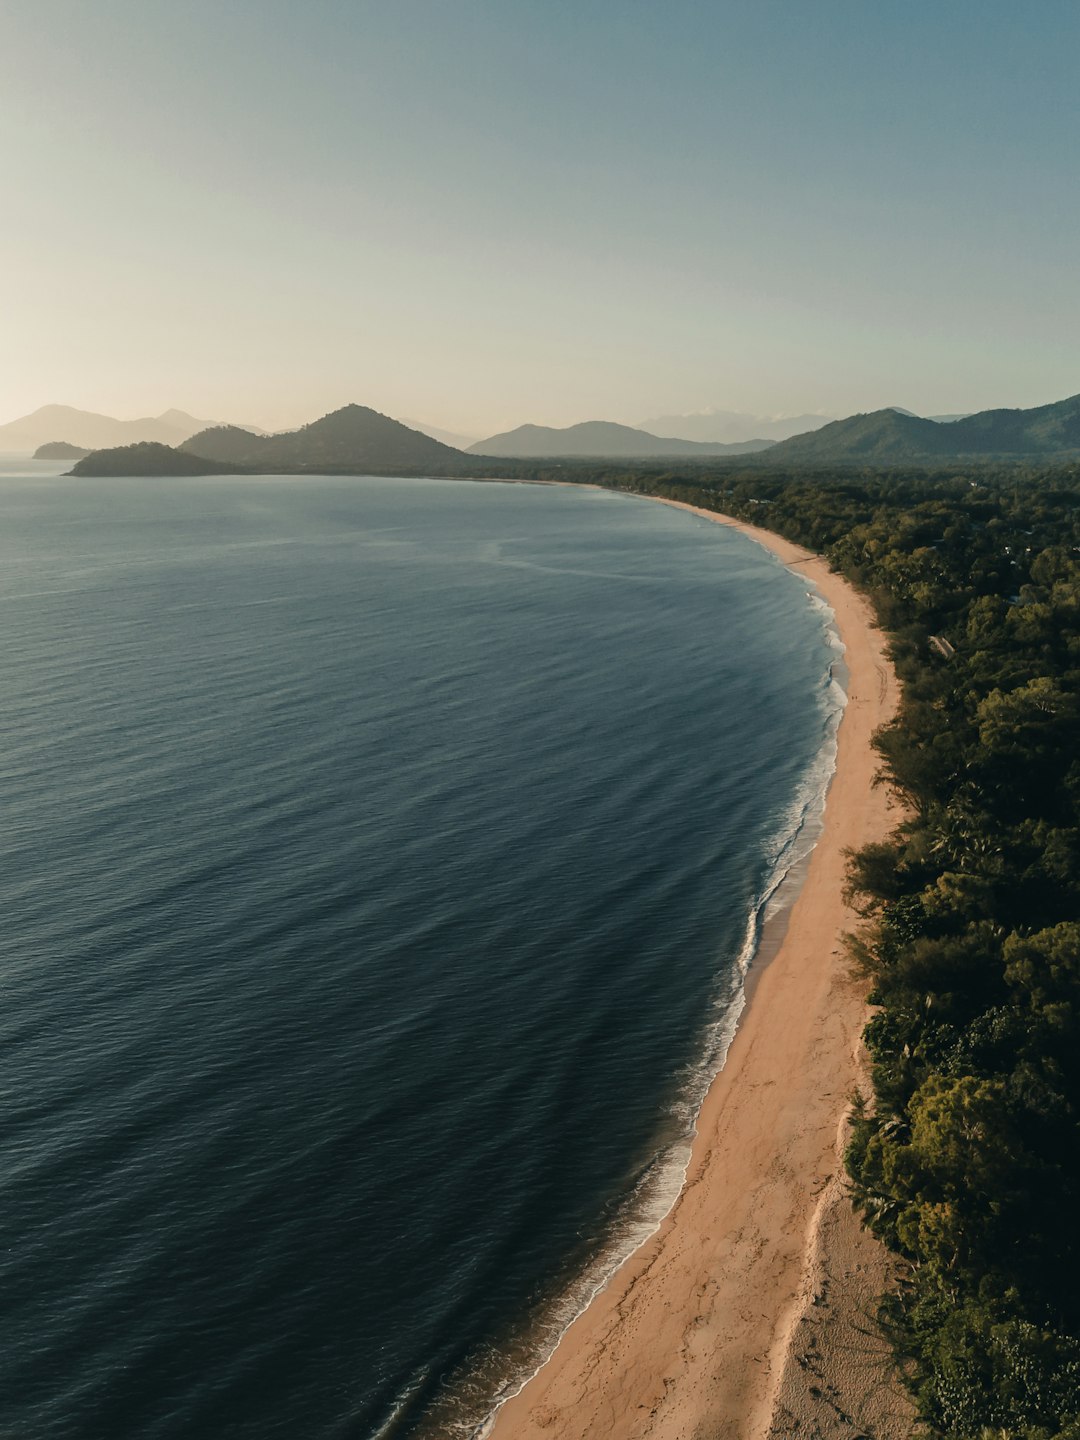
(966, 1159)
(892, 435)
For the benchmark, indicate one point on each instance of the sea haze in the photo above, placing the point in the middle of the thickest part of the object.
(377, 860)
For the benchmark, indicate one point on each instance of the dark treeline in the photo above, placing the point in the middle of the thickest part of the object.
(966, 1158)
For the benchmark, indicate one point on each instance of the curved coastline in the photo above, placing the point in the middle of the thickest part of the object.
(692, 1332)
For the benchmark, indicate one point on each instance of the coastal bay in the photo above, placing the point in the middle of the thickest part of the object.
(497, 944)
(364, 840)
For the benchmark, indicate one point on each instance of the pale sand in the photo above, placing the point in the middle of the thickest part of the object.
(839, 1378)
(696, 1335)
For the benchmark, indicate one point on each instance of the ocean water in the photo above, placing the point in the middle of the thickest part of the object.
(379, 862)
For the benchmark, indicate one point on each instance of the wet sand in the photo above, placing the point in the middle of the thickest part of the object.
(703, 1331)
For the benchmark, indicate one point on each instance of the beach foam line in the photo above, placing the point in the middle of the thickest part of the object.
(661, 1182)
(690, 1331)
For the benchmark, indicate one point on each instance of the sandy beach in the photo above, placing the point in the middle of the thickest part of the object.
(720, 1325)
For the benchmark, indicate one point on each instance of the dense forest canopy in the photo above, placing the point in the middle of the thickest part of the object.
(966, 1158)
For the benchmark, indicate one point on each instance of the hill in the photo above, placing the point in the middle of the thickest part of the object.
(880, 435)
(887, 436)
(601, 439)
(147, 459)
(226, 443)
(352, 438)
(90, 431)
(59, 450)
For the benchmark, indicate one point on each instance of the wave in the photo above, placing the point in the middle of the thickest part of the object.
(469, 1408)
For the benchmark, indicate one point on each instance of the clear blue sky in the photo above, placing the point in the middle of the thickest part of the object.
(482, 212)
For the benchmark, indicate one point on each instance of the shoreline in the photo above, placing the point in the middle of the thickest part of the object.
(693, 1333)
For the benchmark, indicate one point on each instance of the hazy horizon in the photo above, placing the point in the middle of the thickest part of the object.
(741, 421)
(484, 215)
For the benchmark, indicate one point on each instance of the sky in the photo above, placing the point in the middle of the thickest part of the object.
(480, 213)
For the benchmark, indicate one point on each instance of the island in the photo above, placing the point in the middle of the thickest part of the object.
(60, 450)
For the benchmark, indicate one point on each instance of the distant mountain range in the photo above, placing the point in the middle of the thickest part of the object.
(351, 439)
(448, 437)
(600, 439)
(90, 431)
(885, 436)
(732, 427)
(356, 440)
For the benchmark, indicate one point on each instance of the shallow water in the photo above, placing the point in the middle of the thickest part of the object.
(377, 858)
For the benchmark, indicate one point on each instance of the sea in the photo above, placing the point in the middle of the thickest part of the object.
(381, 865)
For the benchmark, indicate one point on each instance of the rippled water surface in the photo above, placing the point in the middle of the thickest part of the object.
(376, 859)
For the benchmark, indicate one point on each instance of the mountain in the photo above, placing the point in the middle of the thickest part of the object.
(59, 450)
(447, 437)
(599, 438)
(879, 435)
(348, 439)
(145, 459)
(732, 426)
(91, 431)
(890, 435)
